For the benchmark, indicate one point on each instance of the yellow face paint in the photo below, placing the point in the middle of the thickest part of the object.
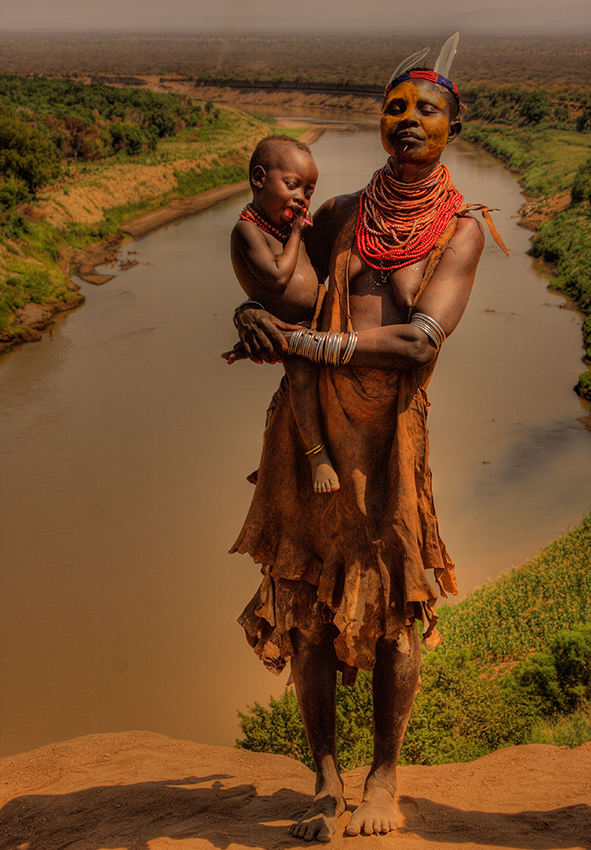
(415, 123)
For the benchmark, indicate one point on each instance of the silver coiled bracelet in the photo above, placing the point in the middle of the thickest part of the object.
(323, 346)
(432, 328)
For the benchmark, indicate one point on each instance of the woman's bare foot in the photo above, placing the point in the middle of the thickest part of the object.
(325, 478)
(320, 821)
(376, 814)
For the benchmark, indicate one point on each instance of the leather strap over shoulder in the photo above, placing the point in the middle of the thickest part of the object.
(436, 253)
(486, 215)
(337, 314)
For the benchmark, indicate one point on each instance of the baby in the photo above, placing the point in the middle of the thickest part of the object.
(273, 268)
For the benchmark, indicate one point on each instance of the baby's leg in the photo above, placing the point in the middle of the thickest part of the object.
(303, 391)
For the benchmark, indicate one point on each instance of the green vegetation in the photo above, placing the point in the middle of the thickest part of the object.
(547, 140)
(95, 121)
(524, 603)
(547, 158)
(566, 242)
(514, 668)
(26, 155)
(62, 135)
(33, 272)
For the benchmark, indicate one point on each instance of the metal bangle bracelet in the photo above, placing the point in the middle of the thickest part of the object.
(350, 348)
(294, 341)
(429, 326)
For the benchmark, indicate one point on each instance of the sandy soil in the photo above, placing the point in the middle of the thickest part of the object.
(141, 790)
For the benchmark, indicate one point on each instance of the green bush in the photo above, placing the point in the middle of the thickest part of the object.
(584, 120)
(581, 190)
(583, 387)
(459, 715)
(13, 192)
(26, 155)
(278, 729)
(566, 242)
(559, 678)
(565, 731)
(535, 105)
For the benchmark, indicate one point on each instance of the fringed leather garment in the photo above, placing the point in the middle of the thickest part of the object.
(367, 556)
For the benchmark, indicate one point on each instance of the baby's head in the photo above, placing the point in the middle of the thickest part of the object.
(283, 177)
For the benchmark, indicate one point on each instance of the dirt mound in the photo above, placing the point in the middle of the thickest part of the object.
(534, 213)
(137, 790)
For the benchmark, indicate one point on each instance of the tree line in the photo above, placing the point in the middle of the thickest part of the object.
(46, 122)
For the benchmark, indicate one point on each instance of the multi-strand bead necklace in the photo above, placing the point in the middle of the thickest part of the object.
(250, 214)
(399, 223)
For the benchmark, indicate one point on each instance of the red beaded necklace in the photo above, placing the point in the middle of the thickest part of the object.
(250, 214)
(399, 223)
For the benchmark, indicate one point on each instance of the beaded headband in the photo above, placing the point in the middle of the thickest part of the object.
(419, 74)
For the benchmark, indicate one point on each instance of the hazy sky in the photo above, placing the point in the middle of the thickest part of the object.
(234, 17)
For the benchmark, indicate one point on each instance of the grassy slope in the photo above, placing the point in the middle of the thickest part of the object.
(546, 158)
(524, 609)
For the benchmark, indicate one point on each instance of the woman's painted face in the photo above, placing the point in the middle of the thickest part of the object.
(415, 124)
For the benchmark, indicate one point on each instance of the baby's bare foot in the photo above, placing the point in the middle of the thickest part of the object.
(376, 814)
(320, 821)
(325, 478)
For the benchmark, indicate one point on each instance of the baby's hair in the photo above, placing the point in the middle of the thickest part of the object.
(265, 152)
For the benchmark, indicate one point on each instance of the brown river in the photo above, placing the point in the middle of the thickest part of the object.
(126, 441)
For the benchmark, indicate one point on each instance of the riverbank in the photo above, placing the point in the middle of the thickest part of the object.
(57, 238)
(554, 168)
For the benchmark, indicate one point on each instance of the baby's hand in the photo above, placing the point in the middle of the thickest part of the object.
(304, 219)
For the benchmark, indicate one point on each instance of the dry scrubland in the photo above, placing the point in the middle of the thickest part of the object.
(364, 61)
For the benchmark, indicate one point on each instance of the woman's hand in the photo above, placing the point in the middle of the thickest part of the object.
(262, 337)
